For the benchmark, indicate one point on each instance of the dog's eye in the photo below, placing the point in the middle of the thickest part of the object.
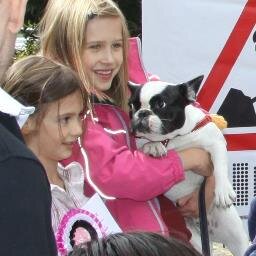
(160, 104)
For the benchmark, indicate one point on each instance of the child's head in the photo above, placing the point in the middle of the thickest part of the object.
(135, 244)
(92, 38)
(58, 96)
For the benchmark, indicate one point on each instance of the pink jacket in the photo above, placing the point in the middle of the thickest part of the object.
(117, 169)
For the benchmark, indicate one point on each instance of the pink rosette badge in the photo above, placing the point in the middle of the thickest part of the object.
(77, 226)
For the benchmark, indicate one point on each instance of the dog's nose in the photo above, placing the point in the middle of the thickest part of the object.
(144, 113)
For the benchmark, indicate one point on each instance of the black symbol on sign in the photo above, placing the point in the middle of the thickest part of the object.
(238, 109)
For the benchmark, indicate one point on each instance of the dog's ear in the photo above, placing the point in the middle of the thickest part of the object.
(133, 87)
(192, 87)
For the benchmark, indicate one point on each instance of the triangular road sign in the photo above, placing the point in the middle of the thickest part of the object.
(222, 68)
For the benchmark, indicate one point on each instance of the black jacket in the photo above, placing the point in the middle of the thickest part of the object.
(25, 197)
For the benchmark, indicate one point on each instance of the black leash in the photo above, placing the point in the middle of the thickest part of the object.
(203, 221)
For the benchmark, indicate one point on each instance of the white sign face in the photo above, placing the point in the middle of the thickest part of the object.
(184, 39)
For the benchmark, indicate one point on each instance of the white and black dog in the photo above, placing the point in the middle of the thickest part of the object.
(162, 111)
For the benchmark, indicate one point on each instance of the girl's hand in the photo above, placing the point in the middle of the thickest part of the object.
(188, 205)
(197, 160)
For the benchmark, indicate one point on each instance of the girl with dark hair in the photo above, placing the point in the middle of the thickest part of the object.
(58, 96)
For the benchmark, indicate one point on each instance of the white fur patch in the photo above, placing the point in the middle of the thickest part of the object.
(149, 90)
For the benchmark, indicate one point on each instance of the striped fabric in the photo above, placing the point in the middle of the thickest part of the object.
(72, 196)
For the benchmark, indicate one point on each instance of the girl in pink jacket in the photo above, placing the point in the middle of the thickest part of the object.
(92, 38)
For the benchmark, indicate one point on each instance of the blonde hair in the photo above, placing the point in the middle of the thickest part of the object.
(62, 32)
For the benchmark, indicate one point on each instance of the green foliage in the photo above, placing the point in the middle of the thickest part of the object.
(32, 42)
(31, 48)
(34, 12)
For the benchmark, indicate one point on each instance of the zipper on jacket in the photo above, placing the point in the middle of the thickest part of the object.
(127, 136)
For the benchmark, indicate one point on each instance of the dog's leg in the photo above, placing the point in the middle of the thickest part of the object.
(156, 149)
(225, 226)
(224, 193)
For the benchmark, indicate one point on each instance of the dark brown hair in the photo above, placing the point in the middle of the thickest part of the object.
(135, 244)
(36, 81)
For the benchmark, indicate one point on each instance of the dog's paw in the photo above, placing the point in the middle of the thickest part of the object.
(224, 194)
(155, 149)
(171, 145)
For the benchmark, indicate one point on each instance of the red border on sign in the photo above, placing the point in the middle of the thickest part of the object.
(235, 141)
(222, 67)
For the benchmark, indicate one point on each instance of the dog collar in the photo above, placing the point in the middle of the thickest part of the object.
(207, 119)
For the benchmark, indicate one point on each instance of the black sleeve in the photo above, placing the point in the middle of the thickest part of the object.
(25, 209)
(10, 123)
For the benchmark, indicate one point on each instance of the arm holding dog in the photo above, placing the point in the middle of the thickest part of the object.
(197, 160)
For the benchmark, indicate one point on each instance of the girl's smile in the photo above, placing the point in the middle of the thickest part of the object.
(104, 75)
